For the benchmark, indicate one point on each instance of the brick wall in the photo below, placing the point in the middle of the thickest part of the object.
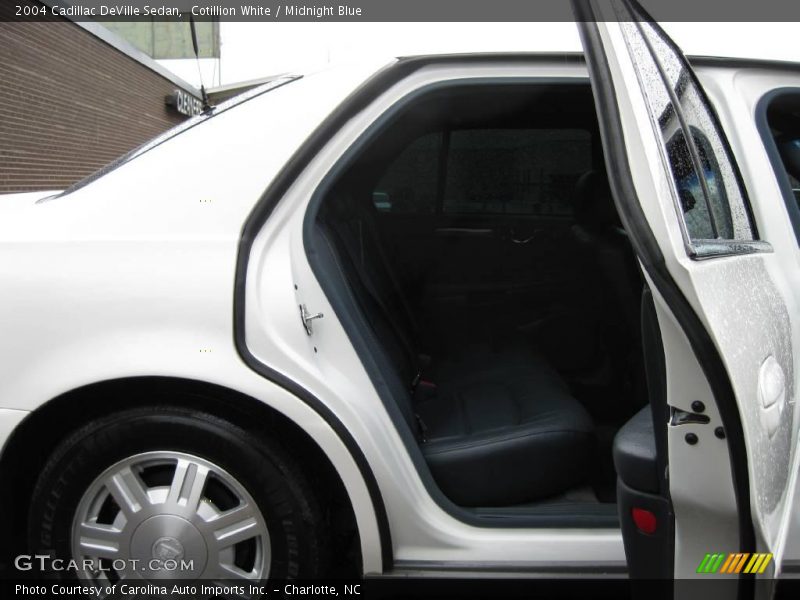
(70, 103)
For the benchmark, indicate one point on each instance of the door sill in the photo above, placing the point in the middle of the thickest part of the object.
(562, 514)
(506, 570)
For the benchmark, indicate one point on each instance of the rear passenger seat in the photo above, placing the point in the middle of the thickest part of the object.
(496, 424)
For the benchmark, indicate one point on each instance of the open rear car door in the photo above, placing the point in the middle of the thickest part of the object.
(726, 316)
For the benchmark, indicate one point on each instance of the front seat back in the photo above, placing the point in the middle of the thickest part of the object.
(608, 254)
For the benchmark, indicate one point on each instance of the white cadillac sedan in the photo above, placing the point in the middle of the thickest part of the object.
(529, 314)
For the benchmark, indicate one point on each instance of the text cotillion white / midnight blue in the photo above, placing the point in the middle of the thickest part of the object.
(246, 10)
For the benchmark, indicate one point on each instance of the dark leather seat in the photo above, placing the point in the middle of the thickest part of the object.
(613, 279)
(497, 425)
(506, 436)
(609, 258)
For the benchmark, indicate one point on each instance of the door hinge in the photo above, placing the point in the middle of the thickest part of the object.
(308, 319)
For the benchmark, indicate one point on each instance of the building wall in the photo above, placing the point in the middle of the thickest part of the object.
(70, 103)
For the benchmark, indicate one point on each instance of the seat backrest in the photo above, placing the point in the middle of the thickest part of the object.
(599, 229)
(356, 223)
(334, 246)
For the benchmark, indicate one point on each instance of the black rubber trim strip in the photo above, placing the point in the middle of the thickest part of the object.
(647, 249)
(762, 124)
(601, 569)
(258, 216)
(743, 63)
(375, 361)
(353, 104)
(643, 241)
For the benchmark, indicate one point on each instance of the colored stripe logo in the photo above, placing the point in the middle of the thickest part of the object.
(735, 562)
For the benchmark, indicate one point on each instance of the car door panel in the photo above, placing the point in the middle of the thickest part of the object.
(751, 325)
(733, 282)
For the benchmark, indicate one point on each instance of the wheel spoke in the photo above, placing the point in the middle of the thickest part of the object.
(188, 484)
(128, 491)
(100, 540)
(234, 516)
(160, 510)
(228, 572)
(234, 526)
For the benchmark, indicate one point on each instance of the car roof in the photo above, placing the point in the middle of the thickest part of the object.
(576, 56)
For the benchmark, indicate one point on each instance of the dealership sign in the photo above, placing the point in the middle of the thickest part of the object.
(184, 103)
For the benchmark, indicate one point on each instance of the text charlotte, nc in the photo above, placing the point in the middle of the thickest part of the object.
(277, 11)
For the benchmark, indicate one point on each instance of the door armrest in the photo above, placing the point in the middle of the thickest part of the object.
(635, 457)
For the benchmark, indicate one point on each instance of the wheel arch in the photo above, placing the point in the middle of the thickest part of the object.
(34, 439)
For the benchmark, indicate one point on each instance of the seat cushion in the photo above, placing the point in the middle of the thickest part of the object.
(500, 427)
(505, 436)
(488, 357)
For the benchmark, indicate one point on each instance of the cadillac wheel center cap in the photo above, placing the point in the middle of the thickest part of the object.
(167, 548)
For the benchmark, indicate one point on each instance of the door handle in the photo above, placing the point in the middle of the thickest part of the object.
(771, 394)
(308, 319)
(522, 240)
(464, 231)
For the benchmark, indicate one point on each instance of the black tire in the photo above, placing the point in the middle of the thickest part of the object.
(298, 537)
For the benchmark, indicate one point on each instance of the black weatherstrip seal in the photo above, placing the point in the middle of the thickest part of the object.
(641, 236)
(375, 360)
(647, 249)
(351, 106)
(260, 213)
(762, 123)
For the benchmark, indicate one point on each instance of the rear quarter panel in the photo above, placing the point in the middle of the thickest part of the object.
(134, 273)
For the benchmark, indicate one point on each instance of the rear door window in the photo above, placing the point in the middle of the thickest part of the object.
(487, 171)
(410, 184)
(515, 171)
(778, 115)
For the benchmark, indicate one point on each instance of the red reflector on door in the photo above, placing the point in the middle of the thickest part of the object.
(644, 519)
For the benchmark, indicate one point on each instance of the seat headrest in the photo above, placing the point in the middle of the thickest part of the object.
(594, 204)
(789, 149)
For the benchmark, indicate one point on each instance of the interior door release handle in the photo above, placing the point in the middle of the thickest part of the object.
(523, 240)
(465, 231)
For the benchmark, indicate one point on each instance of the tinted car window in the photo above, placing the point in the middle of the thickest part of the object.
(515, 171)
(489, 171)
(779, 122)
(708, 188)
(410, 184)
(691, 190)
